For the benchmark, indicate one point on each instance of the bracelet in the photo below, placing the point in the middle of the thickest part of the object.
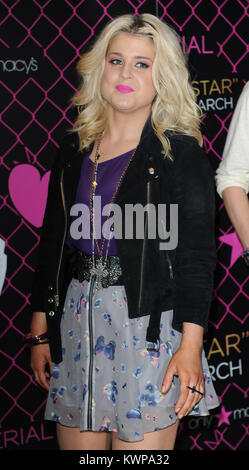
(35, 340)
(245, 256)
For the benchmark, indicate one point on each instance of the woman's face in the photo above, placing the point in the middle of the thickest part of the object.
(126, 82)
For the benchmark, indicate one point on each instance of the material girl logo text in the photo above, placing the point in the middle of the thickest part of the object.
(197, 44)
(12, 438)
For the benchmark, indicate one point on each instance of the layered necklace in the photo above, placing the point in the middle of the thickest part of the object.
(99, 266)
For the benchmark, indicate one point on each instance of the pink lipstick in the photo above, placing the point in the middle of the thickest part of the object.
(124, 89)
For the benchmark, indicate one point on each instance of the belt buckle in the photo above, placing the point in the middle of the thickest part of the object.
(84, 265)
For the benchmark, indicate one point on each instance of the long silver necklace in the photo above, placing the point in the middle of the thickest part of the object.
(99, 270)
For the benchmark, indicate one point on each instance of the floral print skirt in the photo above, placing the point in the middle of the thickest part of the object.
(108, 380)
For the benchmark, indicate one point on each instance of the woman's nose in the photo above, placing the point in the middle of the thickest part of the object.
(126, 71)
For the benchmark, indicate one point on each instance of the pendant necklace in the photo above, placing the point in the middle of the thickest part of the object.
(99, 266)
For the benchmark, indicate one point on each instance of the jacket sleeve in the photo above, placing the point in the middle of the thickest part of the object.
(48, 239)
(233, 169)
(193, 189)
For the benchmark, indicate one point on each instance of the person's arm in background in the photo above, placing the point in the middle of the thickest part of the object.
(232, 176)
(237, 206)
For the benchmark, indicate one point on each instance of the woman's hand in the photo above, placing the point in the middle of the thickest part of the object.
(40, 354)
(40, 357)
(187, 365)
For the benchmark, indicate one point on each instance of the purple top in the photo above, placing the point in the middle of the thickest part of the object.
(108, 175)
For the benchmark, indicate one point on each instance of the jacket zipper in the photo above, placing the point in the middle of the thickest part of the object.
(56, 296)
(148, 193)
(171, 274)
(90, 375)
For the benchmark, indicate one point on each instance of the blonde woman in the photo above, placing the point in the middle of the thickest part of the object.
(120, 318)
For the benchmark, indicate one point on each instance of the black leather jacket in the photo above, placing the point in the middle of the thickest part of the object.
(155, 280)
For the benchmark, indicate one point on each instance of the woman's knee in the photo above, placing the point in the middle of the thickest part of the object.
(75, 439)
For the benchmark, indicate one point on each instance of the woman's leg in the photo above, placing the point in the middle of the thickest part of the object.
(74, 439)
(164, 439)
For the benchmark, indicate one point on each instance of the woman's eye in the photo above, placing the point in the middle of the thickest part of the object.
(115, 61)
(142, 65)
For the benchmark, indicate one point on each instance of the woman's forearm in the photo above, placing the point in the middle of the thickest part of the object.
(38, 323)
(192, 336)
(237, 206)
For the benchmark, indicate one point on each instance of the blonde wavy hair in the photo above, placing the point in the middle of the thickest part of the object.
(174, 107)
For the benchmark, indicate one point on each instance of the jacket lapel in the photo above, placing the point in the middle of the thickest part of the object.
(149, 145)
(138, 169)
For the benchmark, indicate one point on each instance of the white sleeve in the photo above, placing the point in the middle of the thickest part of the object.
(233, 169)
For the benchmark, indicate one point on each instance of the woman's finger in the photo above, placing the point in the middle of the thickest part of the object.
(41, 378)
(193, 397)
(187, 406)
(183, 394)
(167, 381)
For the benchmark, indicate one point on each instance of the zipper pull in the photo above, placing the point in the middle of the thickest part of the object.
(171, 275)
(56, 300)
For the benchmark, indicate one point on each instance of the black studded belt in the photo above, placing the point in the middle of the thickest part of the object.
(110, 276)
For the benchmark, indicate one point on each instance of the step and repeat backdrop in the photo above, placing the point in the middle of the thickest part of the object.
(40, 44)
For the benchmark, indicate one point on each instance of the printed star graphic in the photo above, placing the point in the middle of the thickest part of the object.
(223, 416)
(232, 240)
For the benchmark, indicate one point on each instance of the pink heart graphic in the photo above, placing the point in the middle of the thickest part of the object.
(28, 192)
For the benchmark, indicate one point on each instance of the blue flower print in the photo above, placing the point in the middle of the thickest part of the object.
(97, 303)
(85, 388)
(150, 387)
(207, 378)
(54, 417)
(77, 311)
(107, 318)
(71, 303)
(134, 413)
(61, 391)
(111, 391)
(53, 395)
(135, 340)
(76, 357)
(108, 349)
(152, 397)
(137, 373)
(57, 393)
(169, 348)
(55, 372)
